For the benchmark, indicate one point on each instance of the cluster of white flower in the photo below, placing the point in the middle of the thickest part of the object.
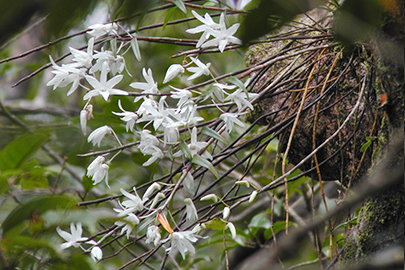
(102, 70)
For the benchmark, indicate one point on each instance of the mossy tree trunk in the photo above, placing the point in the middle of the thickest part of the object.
(380, 63)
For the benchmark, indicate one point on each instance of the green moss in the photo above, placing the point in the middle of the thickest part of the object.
(258, 52)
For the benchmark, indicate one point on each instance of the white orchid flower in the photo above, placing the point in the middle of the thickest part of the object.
(182, 241)
(191, 211)
(98, 30)
(85, 115)
(222, 35)
(98, 170)
(172, 72)
(129, 117)
(73, 238)
(97, 135)
(208, 24)
(153, 235)
(230, 120)
(104, 87)
(201, 69)
(148, 87)
(96, 253)
(130, 222)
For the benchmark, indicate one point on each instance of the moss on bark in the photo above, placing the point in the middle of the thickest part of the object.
(381, 218)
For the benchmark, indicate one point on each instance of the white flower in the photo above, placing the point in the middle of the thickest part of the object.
(98, 30)
(134, 204)
(153, 235)
(155, 186)
(226, 213)
(115, 62)
(182, 241)
(200, 70)
(147, 102)
(147, 139)
(240, 98)
(195, 146)
(187, 116)
(191, 211)
(230, 119)
(237, 4)
(218, 90)
(172, 72)
(131, 221)
(222, 36)
(148, 87)
(158, 116)
(154, 151)
(96, 253)
(231, 228)
(65, 75)
(208, 24)
(97, 135)
(84, 58)
(171, 133)
(104, 87)
(98, 170)
(85, 115)
(101, 174)
(188, 182)
(129, 117)
(74, 238)
(183, 95)
(95, 165)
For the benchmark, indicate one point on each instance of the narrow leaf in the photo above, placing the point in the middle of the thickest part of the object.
(238, 83)
(184, 148)
(212, 133)
(135, 48)
(367, 144)
(167, 18)
(180, 5)
(197, 159)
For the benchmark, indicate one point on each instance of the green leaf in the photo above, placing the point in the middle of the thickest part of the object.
(239, 84)
(278, 226)
(260, 221)
(16, 152)
(367, 144)
(25, 243)
(135, 48)
(293, 186)
(33, 182)
(212, 133)
(167, 18)
(197, 159)
(87, 183)
(184, 148)
(4, 186)
(353, 221)
(180, 5)
(39, 204)
(215, 224)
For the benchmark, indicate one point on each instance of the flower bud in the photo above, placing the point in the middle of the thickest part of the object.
(208, 197)
(226, 213)
(253, 196)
